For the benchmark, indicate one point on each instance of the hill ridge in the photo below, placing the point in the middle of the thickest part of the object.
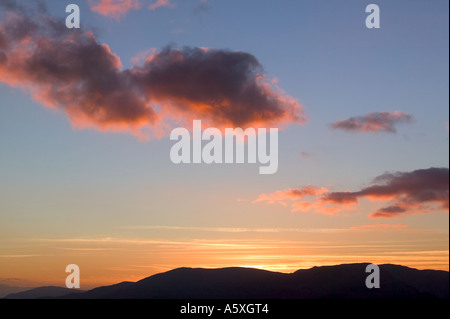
(344, 281)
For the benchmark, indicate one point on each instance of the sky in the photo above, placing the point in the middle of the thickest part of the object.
(86, 115)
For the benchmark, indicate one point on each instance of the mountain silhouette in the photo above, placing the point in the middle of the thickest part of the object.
(7, 289)
(345, 281)
(45, 292)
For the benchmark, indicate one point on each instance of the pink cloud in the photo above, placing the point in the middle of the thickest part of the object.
(114, 8)
(304, 199)
(282, 197)
(159, 4)
(401, 193)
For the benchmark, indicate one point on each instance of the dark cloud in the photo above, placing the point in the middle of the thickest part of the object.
(341, 198)
(374, 122)
(224, 86)
(419, 191)
(70, 70)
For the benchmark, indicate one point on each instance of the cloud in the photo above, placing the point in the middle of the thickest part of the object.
(119, 8)
(69, 70)
(225, 87)
(114, 8)
(160, 3)
(374, 122)
(379, 225)
(419, 191)
(236, 229)
(297, 199)
(281, 197)
(18, 256)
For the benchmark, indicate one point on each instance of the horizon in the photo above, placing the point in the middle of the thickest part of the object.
(87, 116)
(87, 288)
(222, 268)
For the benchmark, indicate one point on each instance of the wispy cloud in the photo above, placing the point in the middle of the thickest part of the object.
(283, 197)
(114, 8)
(19, 256)
(379, 225)
(374, 122)
(236, 229)
(190, 244)
(117, 9)
(303, 199)
(159, 4)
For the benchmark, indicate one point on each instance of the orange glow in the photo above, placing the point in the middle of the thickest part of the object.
(379, 225)
(108, 260)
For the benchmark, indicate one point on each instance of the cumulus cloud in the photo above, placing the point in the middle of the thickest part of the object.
(222, 86)
(417, 192)
(71, 70)
(374, 122)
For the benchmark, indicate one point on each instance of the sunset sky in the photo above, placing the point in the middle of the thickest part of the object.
(86, 114)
